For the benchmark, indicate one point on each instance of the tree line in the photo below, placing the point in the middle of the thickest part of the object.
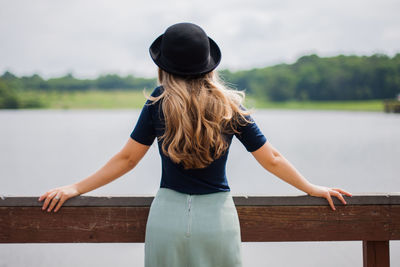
(70, 83)
(331, 78)
(310, 78)
(12, 87)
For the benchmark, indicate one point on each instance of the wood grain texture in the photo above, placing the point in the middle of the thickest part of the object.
(313, 223)
(73, 224)
(258, 223)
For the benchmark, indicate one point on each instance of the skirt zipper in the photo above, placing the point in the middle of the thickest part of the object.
(189, 217)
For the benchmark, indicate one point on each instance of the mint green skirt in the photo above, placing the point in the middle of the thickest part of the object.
(186, 230)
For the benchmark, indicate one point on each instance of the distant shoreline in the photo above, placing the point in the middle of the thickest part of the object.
(124, 99)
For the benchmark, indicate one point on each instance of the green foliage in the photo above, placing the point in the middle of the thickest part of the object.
(70, 83)
(8, 98)
(321, 79)
(11, 99)
(66, 83)
(113, 81)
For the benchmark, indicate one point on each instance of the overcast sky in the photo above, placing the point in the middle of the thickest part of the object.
(88, 38)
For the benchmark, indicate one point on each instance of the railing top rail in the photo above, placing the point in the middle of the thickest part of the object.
(240, 200)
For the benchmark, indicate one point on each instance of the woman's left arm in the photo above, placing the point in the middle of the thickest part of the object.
(122, 162)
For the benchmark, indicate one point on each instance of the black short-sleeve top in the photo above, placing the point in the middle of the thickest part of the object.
(211, 179)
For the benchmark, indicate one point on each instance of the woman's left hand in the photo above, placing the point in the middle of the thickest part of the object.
(327, 192)
(63, 193)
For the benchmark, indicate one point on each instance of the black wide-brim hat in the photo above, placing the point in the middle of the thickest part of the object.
(185, 49)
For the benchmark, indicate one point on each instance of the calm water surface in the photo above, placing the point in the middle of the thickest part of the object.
(43, 149)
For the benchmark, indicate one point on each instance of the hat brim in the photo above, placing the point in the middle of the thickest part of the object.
(155, 53)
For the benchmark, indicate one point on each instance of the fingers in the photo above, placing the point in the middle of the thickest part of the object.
(338, 195)
(329, 198)
(337, 192)
(343, 191)
(60, 202)
(62, 193)
(53, 202)
(45, 194)
(50, 200)
(323, 191)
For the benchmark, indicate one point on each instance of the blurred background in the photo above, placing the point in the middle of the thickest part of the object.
(323, 78)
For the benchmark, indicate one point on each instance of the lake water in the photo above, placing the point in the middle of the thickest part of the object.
(43, 149)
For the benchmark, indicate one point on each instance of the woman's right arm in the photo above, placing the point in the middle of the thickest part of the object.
(277, 164)
(122, 162)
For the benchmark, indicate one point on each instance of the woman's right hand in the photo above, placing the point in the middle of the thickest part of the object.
(63, 192)
(327, 192)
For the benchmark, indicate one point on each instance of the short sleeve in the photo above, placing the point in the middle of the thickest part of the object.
(250, 135)
(144, 131)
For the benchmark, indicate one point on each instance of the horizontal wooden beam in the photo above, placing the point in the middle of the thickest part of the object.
(93, 219)
(317, 223)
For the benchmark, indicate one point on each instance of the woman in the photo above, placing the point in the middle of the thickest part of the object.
(192, 220)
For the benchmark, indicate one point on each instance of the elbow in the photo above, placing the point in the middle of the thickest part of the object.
(131, 163)
(128, 160)
(269, 158)
(273, 162)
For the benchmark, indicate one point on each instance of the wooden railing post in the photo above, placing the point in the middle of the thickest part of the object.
(376, 254)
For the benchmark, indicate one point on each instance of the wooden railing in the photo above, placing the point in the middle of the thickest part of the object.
(372, 219)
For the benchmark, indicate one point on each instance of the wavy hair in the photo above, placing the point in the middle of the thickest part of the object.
(198, 111)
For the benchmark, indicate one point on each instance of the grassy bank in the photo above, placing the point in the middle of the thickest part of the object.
(135, 99)
(360, 105)
(91, 99)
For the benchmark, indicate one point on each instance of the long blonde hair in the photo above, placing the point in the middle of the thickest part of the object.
(198, 112)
